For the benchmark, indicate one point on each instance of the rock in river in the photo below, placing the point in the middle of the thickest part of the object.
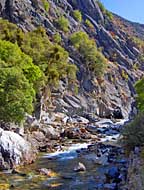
(113, 173)
(47, 172)
(14, 150)
(80, 167)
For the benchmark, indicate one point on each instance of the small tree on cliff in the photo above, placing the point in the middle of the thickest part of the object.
(17, 78)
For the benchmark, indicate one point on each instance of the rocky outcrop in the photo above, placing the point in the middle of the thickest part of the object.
(98, 98)
(90, 8)
(135, 171)
(14, 150)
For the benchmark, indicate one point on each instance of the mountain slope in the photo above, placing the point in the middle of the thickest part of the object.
(110, 96)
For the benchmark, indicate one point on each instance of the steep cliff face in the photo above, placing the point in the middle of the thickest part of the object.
(112, 96)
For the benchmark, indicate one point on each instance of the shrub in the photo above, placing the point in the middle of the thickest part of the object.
(26, 66)
(92, 57)
(17, 77)
(16, 95)
(104, 11)
(133, 133)
(138, 43)
(46, 5)
(51, 58)
(109, 15)
(77, 15)
(124, 75)
(57, 38)
(10, 32)
(63, 23)
(101, 6)
(78, 38)
(89, 24)
(139, 86)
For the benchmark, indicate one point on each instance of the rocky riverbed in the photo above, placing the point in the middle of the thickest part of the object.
(88, 158)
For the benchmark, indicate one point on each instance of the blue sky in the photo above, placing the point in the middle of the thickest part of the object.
(130, 9)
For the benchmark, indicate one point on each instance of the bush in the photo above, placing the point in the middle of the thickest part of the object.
(46, 5)
(139, 86)
(16, 95)
(57, 38)
(124, 75)
(63, 24)
(109, 15)
(51, 58)
(26, 67)
(10, 32)
(91, 56)
(77, 15)
(89, 24)
(133, 133)
(138, 43)
(104, 11)
(17, 77)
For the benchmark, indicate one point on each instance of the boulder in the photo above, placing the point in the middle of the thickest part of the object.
(47, 172)
(113, 173)
(75, 133)
(71, 133)
(103, 160)
(50, 132)
(14, 150)
(38, 136)
(80, 167)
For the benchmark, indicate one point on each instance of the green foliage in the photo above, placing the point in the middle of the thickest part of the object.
(101, 6)
(136, 65)
(89, 24)
(104, 10)
(63, 23)
(16, 95)
(12, 56)
(92, 57)
(51, 58)
(77, 15)
(78, 38)
(139, 86)
(46, 5)
(138, 43)
(36, 44)
(124, 75)
(10, 32)
(26, 66)
(140, 60)
(133, 133)
(71, 72)
(57, 38)
(17, 77)
(109, 15)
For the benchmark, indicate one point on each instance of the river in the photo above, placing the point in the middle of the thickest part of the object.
(100, 160)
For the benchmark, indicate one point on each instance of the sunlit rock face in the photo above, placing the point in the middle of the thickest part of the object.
(14, 150)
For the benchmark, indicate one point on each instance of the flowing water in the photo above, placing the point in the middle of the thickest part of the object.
(62, 164)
